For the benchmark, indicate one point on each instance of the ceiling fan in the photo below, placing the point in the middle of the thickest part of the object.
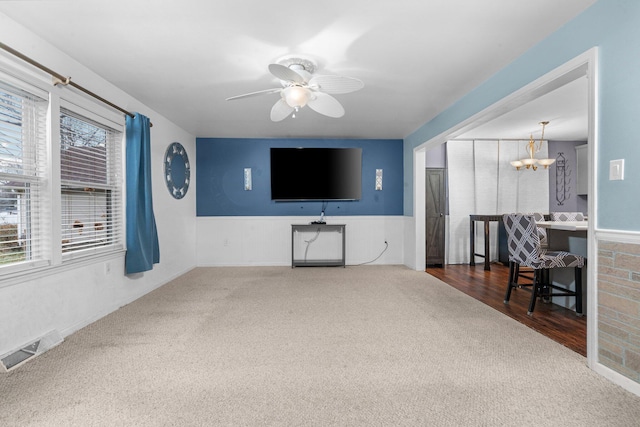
(300, 87)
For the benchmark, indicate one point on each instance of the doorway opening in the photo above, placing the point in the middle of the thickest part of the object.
(584, 64)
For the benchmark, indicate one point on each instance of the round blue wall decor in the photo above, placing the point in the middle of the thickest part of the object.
(177, 172)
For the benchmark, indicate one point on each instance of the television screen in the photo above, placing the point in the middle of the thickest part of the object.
(316, 173)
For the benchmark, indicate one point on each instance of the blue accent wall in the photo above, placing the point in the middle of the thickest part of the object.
(614, 27)
(220, 164)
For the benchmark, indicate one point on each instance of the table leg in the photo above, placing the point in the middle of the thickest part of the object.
(472, 242)
(487, 258)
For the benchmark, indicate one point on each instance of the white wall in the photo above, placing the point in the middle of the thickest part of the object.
(256, 241)
(68, 298)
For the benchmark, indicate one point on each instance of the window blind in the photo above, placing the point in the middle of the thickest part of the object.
(90, 177)
(23, 165)
(482, 181)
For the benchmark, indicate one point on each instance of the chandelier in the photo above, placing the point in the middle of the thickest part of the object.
(531, 162)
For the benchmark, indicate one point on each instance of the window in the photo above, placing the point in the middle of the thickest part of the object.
(61, 179)
(22, 175)
(90, 165)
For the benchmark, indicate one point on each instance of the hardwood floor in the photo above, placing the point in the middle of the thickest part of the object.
(558, 323)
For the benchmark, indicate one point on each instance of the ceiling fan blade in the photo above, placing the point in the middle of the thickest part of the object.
(280, 110)
(326, 104)
(260, 92)
(285, 73)
(336, 84)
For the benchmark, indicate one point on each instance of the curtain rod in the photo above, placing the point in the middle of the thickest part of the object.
(60, 79)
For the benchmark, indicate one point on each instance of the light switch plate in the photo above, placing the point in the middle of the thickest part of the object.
(616, 170)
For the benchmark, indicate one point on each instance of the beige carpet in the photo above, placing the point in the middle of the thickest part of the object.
(369, 345)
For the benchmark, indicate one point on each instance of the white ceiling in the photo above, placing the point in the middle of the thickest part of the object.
(416, 57)
(566, 110)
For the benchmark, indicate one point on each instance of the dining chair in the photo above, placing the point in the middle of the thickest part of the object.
(525, 249)
(538, 216)
(566, 216)
(527, 273)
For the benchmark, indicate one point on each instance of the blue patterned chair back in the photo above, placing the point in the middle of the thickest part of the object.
(542, 233)
(567, 216)
(525, 249)
(523, 239)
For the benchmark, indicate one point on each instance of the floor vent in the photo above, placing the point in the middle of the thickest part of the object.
(22, 355)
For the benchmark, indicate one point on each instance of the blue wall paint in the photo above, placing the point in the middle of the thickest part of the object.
(220, 167)
(614, 27)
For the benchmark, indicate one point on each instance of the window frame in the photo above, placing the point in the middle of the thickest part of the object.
(117, 188)
(15, 73)
(9, 79)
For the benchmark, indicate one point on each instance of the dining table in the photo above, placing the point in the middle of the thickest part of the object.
(564, 225)
(485, 219)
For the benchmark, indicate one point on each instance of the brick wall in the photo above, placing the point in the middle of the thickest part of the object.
(619, 307)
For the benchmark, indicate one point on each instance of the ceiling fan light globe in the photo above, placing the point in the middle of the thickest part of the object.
(296, 96)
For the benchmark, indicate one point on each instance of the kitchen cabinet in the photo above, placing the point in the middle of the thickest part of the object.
(582, 170)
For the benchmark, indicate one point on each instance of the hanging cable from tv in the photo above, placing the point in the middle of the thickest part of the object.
(309, 242)
(321, 221)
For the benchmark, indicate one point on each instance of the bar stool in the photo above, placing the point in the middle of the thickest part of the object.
(527, 273)
(523, 241)
(541, 231)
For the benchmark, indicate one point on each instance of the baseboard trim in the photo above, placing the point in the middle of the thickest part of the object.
(617, 378)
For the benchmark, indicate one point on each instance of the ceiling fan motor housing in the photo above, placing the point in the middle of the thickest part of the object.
(303, 67)
(298, 63)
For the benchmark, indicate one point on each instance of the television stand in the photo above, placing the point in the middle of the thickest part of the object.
(317, 245)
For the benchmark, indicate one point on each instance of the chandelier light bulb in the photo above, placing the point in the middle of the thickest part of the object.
(546, 162)
(517, 164)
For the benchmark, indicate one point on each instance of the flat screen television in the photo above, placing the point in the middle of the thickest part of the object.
(316, 174)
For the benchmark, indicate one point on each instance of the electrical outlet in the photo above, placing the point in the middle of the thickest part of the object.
(225, 242)
(107, 268)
